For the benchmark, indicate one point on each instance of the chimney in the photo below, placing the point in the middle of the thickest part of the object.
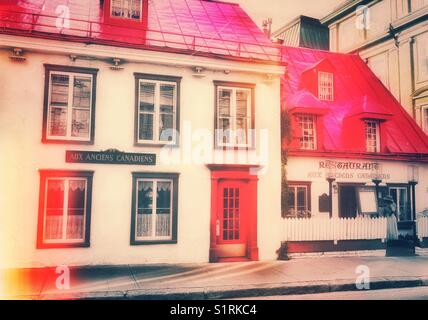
(267, 27)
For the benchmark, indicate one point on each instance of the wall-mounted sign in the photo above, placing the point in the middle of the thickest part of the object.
(110, 157)
(349, 170)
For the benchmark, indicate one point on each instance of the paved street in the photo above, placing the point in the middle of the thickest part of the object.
(225, 280)
(420, 293)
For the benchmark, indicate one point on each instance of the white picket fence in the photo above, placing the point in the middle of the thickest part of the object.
(422, 227)
(321, 229)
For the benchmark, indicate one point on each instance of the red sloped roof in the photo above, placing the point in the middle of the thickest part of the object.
(357, 91)
(190, 26)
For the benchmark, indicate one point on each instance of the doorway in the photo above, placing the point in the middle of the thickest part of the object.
(348, 206)
(233, 214)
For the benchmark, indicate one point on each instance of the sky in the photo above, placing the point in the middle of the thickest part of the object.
(283, 11)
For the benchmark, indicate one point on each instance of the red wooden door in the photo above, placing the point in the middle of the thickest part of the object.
(231, 225)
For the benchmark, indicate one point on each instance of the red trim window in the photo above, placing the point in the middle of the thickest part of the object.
(308, 131)
(126, 9)
(372, 130)
(64, 212)
(126, 13)
(325, 86)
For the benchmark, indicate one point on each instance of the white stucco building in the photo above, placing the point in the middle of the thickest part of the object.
(108, 123)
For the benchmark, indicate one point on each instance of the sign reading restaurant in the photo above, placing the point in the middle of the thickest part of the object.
(110, 157)
(350, 170)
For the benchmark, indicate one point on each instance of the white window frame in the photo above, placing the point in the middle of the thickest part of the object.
(323, 89)
(122, 7)
(69, 107)
(157, 113)
(64, 239)
(295, 187)
(154, 209)
(314, 124)
(219, 132)
(377, 125)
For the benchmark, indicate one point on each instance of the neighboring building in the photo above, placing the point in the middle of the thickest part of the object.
(137, 132)
(303, 32)
(348, 134)
(392, 36)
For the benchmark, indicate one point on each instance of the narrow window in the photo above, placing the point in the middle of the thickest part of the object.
(308, 139)
(126, 9)
(65, 209)
(325, 86)
(425, 118)
(372, 136)
(69, 113)
(234, 122)
(157, 110)
(154, 214)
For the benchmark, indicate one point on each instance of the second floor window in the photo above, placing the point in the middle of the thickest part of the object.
(325, 86)
(308, 138)
(372, 136)
(234, 121)
(157, 109)
(127, 9)
(69, 113)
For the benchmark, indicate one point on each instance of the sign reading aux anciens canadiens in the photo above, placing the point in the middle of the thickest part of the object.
(110, 157)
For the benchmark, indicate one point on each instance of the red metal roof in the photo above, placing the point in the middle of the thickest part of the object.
(199, 27)
(358, 92)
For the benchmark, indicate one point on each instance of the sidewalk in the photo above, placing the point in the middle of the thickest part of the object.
(215, 281)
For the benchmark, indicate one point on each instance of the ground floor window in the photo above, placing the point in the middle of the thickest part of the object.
(154, 208)
(357, 200)
(400, 195)
(298, 200)
(65, 205)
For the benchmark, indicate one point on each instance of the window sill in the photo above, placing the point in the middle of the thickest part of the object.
(156, 145)
(237, 148)
(151, 242)
(77, 142)
(62, 245)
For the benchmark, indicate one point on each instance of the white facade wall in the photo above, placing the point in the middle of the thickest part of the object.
(395, 172)
(23, 154)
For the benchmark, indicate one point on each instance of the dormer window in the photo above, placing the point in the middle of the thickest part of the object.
(325, 86)
(126, 9)
(372, 136)
(308, 134)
